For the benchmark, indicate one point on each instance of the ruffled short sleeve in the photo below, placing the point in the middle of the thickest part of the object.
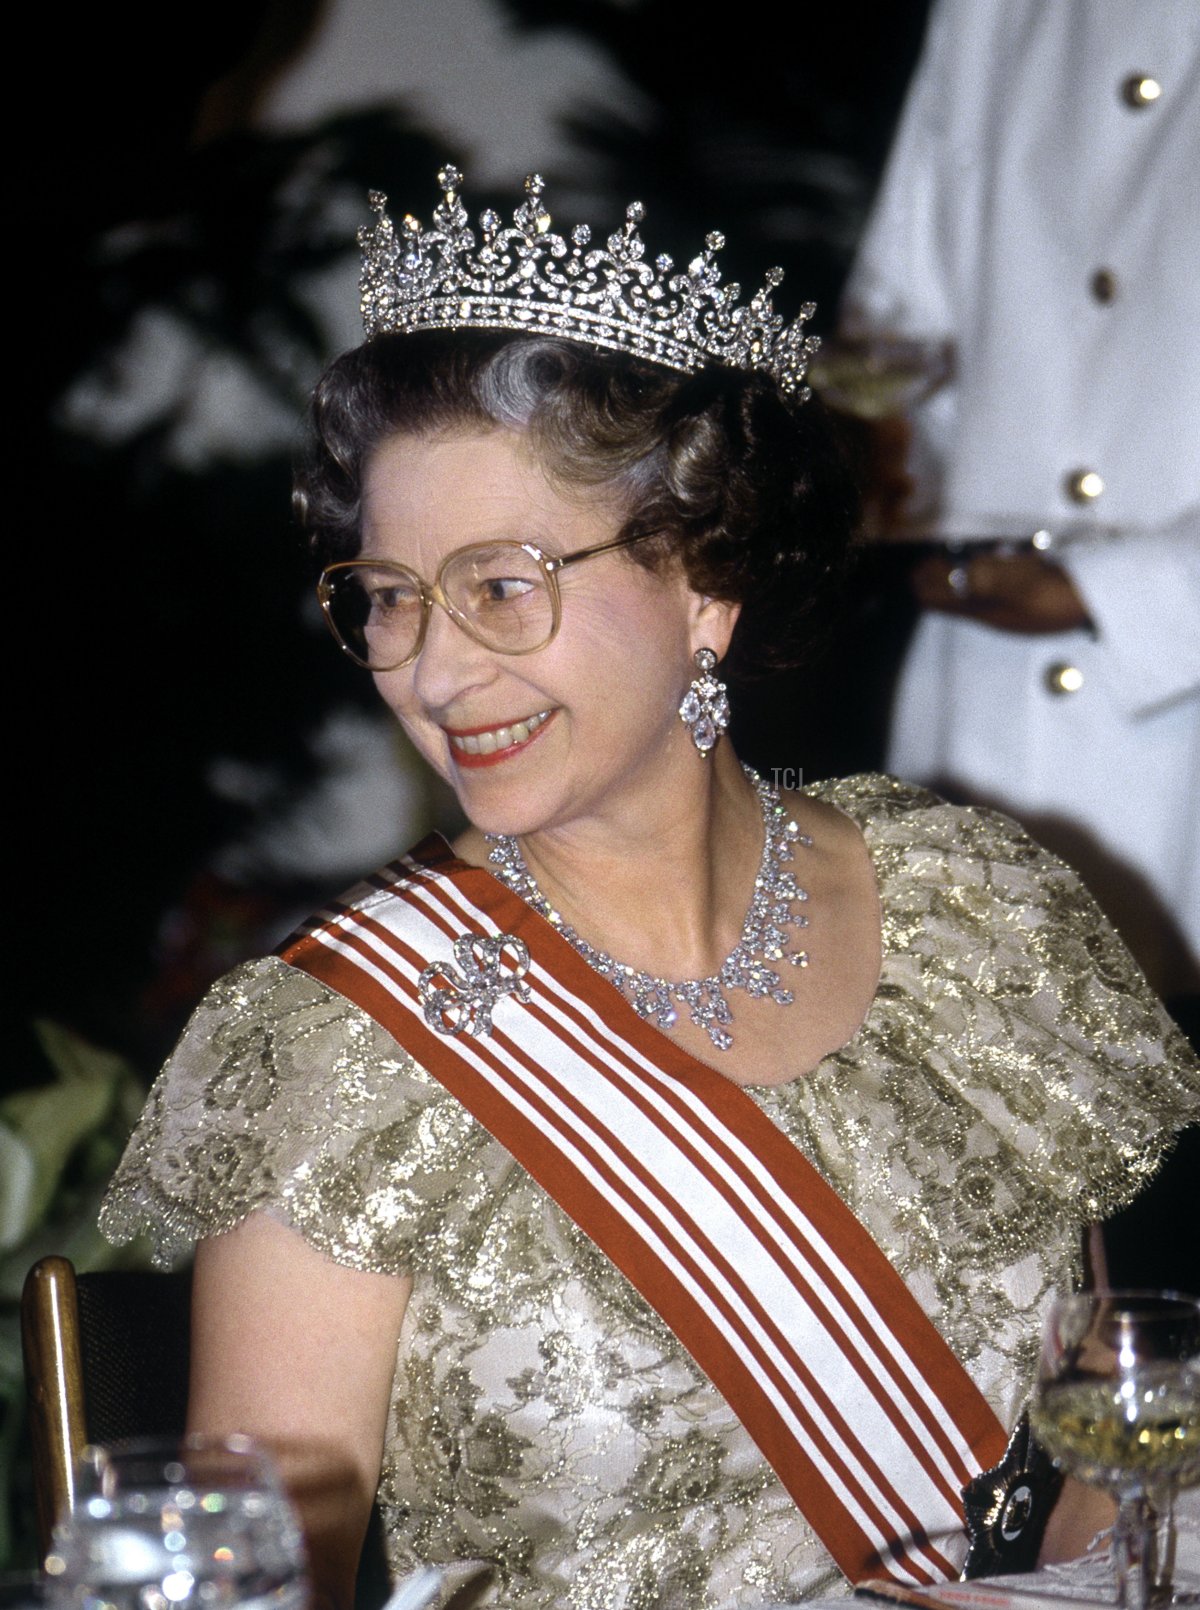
(1013, 973)
(1006, 968)
(282, 1096)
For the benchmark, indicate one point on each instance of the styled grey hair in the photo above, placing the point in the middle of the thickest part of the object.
(749, 492)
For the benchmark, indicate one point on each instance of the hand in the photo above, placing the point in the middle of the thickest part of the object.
(1020, 592)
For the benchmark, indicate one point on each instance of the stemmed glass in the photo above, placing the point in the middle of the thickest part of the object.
(1117, 1404)
(196, 1523)
(879, 376)
(876, 382)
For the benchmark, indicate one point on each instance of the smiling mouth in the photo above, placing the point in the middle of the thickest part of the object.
(486, 745)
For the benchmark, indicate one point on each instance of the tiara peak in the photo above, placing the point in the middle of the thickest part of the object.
(529, 278)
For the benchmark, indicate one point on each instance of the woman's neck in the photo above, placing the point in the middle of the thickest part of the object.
(662, 883)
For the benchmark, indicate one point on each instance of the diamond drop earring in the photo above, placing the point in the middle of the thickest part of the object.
(705, 708)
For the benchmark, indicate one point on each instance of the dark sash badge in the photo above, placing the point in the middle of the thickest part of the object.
(1007, 1508)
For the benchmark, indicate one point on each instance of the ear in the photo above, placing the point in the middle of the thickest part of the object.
(711, 623)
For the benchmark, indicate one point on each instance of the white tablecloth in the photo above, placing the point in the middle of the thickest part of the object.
(1085, 1581)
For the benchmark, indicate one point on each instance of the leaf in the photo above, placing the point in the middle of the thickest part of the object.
(18, 1172)
(48, 1123)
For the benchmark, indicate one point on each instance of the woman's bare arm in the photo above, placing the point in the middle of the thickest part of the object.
(1078, 1515)
(299, 1351)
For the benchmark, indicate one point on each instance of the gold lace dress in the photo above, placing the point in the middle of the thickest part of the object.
(1013, 1080)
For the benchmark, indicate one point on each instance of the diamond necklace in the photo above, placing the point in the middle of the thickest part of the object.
(764, 933)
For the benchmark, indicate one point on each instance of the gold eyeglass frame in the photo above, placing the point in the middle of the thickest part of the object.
(431, 593)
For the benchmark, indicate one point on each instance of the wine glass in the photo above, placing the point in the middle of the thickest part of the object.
(876, 382)
(1117, 1404)
(879, 376)
(193, 1523)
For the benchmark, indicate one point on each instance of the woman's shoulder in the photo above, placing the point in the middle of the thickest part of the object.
(283, 1096)
(965, 860)
(894, 814)
(967, 893)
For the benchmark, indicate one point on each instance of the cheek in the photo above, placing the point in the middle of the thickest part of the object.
(391, 690)
(644, 630)
(631, 686)
(396, 690)
(632, 656)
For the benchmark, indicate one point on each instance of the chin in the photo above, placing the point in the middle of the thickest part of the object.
(507, 793)
(486, 797)
(511, 817)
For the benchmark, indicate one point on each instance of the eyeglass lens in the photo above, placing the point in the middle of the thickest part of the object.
(499, 593)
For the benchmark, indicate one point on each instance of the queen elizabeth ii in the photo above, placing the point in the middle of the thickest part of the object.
(653, 1196)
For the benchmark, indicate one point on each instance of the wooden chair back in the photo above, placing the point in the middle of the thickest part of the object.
(106, 1357)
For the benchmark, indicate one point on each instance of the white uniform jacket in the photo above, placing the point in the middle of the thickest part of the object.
(1041, 209)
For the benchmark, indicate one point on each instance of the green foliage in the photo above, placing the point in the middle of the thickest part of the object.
(59, 1143)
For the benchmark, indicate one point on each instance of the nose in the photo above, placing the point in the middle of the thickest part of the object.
(450, 663)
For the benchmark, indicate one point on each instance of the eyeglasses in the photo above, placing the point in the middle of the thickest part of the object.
(503, 595)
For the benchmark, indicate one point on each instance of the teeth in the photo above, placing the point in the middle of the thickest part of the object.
(487, 743)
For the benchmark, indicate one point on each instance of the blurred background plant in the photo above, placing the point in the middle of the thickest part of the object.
(60, 1140)
(184, 692)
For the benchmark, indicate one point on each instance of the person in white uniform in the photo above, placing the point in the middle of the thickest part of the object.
(1039, 212)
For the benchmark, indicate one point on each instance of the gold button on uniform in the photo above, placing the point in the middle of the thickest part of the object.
(1140, 90)
(1084, 486)
(1064, 678)
(1104, 286)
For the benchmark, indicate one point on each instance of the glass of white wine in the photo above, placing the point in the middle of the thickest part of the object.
(191, 1523)
(1117, 1405)
(877, 381)
(879, 376)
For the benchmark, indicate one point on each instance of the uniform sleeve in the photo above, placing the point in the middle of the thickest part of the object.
(1142, 591)
(283, 1097)
(900, 282)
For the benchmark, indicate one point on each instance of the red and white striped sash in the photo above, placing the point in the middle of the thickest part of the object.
(759, 1268)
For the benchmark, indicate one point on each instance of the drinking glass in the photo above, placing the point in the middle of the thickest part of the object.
(197, 1523)
(1117, 1404)
(876, 382)
(879, 376)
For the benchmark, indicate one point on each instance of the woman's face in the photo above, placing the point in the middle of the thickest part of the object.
(594, 712)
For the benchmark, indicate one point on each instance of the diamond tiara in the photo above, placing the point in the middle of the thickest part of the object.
(528, 278)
